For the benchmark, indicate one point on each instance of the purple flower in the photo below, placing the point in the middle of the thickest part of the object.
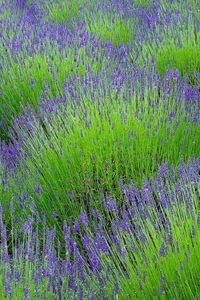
(66, 231)
(142, 238)
(198, 219)
(38, 189)
(20, 202)
(83, 219)
(193, 231)
(162, 291)
(75, 229)
(72, 283)
(123, 252)
(111, 204)
(26, 293)
(27, 225)
(181, 266)
(92, 296)
(162, 250)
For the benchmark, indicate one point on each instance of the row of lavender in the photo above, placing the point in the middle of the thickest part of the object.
(81, 116)
(150, 250)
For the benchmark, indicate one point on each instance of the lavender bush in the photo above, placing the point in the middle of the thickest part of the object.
(150, 249)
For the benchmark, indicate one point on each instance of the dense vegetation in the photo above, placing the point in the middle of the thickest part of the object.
(99, 149)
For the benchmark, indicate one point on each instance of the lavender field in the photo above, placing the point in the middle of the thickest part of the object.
(99, 150)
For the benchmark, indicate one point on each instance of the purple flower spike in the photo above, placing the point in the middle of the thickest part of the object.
(111, 204)
(162, 250)
(123, 253)
(76, 229)
(26, 293)
(20, 202)
(162, 291)
(92, 296)
(84, 219)
(38, 189)
(198, 219)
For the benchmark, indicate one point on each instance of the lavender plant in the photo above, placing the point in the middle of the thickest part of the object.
(51, 62)
(116, 28)
(85, 147)
(65, 11)
(31, 269)
(150, 249)
(174, 42)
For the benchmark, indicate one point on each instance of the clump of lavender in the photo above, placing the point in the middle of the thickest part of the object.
(77, 147)
(150, 249)
(36, 54)
(173, 38)
(32, 268)
(152, 246)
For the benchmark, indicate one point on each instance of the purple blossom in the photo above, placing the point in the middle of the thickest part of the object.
(20, 202)
(83, 219)
(123, 253)
(26, 293)
(76, 229)
(66, 231)
(38, 189)
(111, 204)
(162, 251)
(198, 220)
(92, 296)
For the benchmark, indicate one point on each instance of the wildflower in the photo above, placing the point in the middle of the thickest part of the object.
(193, 231)
(181, 266)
